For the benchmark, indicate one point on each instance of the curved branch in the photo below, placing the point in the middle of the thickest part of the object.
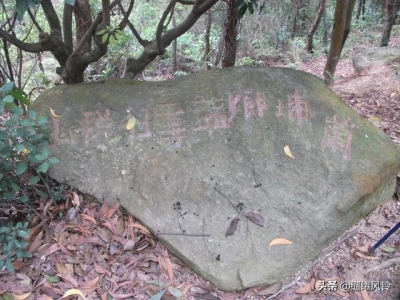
(51, 15)
(33, 18)
(28, 47)
(160, 26)
(197, 10)
(184, 2)
(130, 25)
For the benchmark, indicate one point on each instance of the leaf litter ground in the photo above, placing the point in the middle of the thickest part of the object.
(102, 252)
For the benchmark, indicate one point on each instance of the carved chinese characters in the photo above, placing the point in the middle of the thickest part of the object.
(168, 121)
(338, 136)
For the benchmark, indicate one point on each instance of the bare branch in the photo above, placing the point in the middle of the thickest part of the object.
(197, 10)
(160, 27)
(87, 19)
(33, 18)
(100, 49)
(67, 28)
(28, 47)
(131, 26)
(184, 2)
(8, 60)
(106, 12)
(51, 15)
(134, 66)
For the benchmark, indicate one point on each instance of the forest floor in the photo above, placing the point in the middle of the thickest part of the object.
(102, 252)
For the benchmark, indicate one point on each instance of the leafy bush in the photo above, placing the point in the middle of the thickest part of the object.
(23, 145)
(24, 160)
(12, 241)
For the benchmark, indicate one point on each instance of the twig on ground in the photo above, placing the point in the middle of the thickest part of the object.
(385, 264)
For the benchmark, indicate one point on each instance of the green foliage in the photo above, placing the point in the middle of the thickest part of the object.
(248, 61)
(23, 147)
(13, 243)
(109, 34)
(23, 5)
(242, 6)
(23, 157)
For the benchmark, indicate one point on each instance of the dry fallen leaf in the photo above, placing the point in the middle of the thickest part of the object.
(359, 254)
(74, 292)
(53, 113)
(75, 199)
(256, 218)
(364, 248)
(288, 152)
(280, 241)
(305, 289)
(365, 295)
(232, 227)
(131, 123)
(270, 290)
(22, 296)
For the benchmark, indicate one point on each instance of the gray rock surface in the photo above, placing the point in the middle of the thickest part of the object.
(375, 56)
(204, 165)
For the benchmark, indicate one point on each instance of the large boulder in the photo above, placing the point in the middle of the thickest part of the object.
(221, 163)
(375, 56)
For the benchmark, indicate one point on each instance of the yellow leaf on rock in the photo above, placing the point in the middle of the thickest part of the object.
(22, 296)
(53, 113)
(74, 292)
(131, 123)
(392, 95)
(288, 152)
(280, 241)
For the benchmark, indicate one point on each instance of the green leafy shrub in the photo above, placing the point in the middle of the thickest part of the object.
(13, 243)
(23, 145)
(24, 161)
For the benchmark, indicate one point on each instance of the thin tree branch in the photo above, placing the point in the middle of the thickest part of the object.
(28, 47)
(197, 10)
(33, 18)
(160, 27)
(8, 60)
(185, 2)
(51, 15)
(130, 25)
(100, 50)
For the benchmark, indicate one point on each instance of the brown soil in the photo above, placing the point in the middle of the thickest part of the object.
(105, 254)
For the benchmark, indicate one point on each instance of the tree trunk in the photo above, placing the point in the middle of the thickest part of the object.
(174, 49)
(379, 5)
(207, 46)
(361, 10)
(314, 26)
(340, 32)
(82, 26)
(230, 29)
(392, 7)
(298, 17)
(325, 37)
